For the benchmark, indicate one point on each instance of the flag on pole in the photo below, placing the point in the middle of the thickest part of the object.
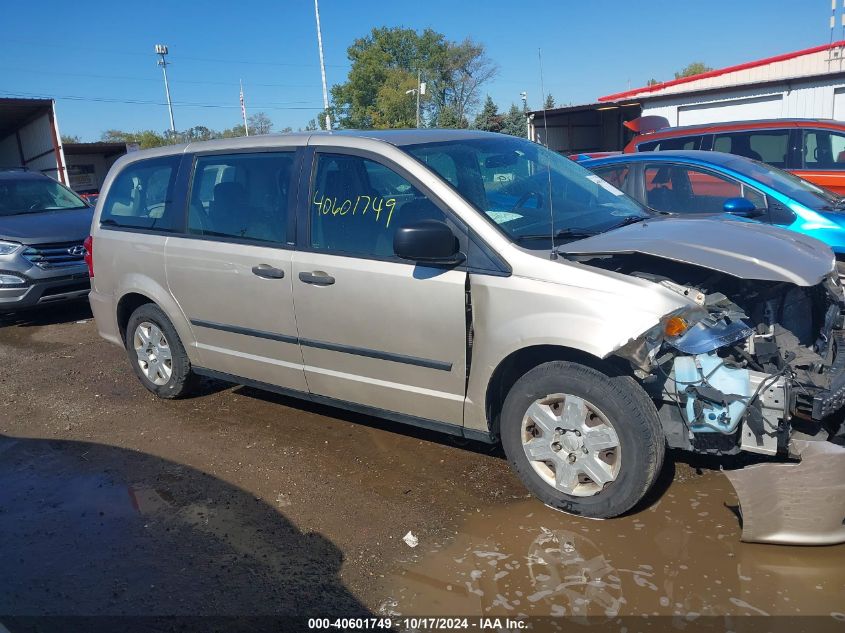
(243, 110)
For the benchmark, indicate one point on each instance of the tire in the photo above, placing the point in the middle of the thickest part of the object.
(166, 377)
(573, 415)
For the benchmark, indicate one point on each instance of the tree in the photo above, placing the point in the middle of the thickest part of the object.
(385, 65)
(695, 68)
(259, 123)
(652, 82)
(489, 118)
(235, 131)
(450, 117)
(515, 122)
(198, 133)
(145, 138)
(68, 138)
(549, 103)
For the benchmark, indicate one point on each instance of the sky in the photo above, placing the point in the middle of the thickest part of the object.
(97, 58)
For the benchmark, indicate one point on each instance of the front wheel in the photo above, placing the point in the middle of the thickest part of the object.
(581, 441)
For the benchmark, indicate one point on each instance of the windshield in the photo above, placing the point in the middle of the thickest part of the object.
(528, 191)
(33, 195)
(796, 188)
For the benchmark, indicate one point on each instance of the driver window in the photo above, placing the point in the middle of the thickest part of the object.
(681, 189)
(141, 196)
(824, 149)
(357, 204)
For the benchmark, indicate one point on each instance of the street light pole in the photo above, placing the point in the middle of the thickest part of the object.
(322, 66)
(161, 51)
(419, 90)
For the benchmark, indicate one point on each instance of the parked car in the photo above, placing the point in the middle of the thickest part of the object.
(811, 148)
(42, 226)
(696, 182)
(472, 283)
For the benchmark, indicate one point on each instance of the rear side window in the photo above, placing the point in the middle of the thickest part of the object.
(616, 175)
(678, 142)
(824, 149)
(357, 205)
(141, 196)
(767, 146)
(242, 196)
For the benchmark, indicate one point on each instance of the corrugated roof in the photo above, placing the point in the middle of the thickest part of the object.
(721, 71)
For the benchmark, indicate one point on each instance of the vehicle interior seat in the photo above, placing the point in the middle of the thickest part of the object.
(660, 197)
(122, 200)
(741, 146)
(227, 211)
(336, 231)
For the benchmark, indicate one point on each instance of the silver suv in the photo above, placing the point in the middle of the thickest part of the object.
(472, 283)
(42, 227)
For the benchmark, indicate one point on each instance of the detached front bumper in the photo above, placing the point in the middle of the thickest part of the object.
(794, 503)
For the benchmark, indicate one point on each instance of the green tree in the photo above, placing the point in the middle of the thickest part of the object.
(449, 117)
(235, 131)
(68, 138)
(695, 68)
(489, 118)
(652, 82)
(259, 124)
(385, 64)
(145, 138)
(549, 103)
(515, 122)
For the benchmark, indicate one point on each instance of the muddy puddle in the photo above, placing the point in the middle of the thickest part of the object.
(679, 557)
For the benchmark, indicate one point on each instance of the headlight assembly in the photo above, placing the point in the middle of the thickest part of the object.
(7, 248)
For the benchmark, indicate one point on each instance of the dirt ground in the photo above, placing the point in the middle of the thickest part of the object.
(242, 502)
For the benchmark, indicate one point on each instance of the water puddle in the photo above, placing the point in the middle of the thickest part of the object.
(681, 556)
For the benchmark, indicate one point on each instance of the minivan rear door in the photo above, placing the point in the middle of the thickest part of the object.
(231, 271)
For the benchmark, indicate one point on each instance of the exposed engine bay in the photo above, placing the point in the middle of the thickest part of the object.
(749, 366)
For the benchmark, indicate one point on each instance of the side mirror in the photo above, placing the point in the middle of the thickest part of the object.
(742, 207)
(427, 241)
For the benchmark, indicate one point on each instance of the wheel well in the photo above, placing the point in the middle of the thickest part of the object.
(126, 306)
(521, 361)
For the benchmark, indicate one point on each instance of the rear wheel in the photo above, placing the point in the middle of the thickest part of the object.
(157, 354)
(581, 441)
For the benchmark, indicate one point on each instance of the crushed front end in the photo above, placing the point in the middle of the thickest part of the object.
(750, 366)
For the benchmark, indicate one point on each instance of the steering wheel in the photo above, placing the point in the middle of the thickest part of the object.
(526, 197)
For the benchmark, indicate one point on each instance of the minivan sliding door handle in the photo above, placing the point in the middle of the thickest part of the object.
(268, 272)
(317, 278)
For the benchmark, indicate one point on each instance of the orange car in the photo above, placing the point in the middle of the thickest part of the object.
(811, 148)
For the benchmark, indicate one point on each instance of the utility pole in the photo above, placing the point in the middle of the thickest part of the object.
(322, 66)
(161, 51)
(524, 96)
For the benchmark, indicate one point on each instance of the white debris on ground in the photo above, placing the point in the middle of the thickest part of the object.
(410, 539)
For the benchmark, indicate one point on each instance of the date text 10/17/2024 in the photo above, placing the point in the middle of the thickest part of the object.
(418, 624)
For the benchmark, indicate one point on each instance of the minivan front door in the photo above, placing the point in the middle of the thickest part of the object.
(376, 330)
(232, 273)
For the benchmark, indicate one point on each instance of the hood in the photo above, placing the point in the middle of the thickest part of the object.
(742, 249)
(48, 227)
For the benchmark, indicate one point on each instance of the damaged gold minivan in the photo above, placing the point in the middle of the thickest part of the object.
(472, 283)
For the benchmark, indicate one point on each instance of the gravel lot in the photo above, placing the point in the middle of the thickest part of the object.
(243, 502)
